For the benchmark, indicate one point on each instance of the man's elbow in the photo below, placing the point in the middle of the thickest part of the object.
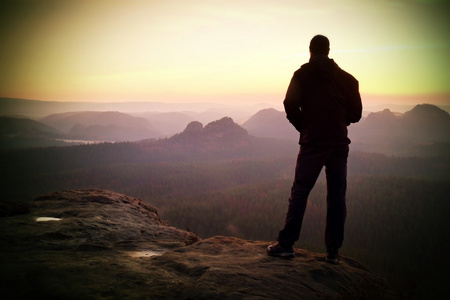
(354, 119)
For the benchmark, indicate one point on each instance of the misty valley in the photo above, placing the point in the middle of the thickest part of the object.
(231, 176)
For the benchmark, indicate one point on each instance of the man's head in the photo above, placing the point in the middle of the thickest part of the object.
(319, 45)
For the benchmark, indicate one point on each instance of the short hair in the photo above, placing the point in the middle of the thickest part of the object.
(319, 45)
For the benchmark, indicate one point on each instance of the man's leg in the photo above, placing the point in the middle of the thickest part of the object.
(310, 161)
(336, 172)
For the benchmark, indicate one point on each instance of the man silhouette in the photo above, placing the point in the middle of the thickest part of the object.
(321, 101)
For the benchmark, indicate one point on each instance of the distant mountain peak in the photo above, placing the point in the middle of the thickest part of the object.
(194, 127)
(267, 114)
(270, 122)
(223, 129)
(429, 110)
(385, 113)
(268, 111)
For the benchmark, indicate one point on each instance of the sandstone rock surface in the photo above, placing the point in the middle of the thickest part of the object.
(98, 244)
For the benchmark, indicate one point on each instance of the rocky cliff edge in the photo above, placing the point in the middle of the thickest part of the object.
(97, 244)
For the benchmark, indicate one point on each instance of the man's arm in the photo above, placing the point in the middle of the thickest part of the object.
(354, 103)
(292, 103)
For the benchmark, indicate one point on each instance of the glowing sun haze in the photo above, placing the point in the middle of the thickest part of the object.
(223, 51)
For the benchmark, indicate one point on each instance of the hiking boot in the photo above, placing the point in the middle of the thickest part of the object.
(332, 256)
(279, 251)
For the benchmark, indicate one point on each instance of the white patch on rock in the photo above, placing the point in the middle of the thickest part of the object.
(146, 253)
(46, 219)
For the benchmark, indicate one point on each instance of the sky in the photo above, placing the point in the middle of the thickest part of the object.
(227, 51)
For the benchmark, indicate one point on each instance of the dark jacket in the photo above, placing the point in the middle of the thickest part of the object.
(321, 101)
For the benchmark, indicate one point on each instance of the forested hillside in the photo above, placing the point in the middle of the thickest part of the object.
(101, 126)
(22, 133)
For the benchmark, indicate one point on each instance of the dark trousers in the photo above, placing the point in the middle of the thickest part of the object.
(310, 160)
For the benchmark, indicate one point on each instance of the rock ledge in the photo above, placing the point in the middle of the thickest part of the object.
(105, 245)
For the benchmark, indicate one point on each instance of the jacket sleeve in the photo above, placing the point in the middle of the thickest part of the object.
(292, 103)
(353, 103)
